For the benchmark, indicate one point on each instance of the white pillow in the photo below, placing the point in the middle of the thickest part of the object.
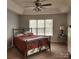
(19, 35)
(26, 32)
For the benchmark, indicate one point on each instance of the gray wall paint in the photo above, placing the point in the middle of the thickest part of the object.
(12, 22)
(24, 22)
(58, 19)
(69, 18)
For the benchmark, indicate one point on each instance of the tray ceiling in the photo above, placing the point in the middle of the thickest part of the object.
(58, 6)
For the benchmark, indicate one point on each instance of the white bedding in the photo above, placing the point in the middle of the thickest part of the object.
(35, 38)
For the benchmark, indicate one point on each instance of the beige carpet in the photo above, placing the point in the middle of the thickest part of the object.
(58, 51)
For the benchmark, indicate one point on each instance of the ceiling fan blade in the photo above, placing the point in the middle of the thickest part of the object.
(46, 4)
(28, 1)
(37, 0)
(40, 0)
(29, 6)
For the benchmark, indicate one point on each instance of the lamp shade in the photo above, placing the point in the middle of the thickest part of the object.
(61, 27)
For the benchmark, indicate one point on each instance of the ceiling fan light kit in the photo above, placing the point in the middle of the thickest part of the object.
(37, 9)
(39, 6)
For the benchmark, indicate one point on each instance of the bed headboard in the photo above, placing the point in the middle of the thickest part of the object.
(20, 30)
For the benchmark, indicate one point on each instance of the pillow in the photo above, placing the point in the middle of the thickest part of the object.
(19, 35)
(27, 33)
(30, 34)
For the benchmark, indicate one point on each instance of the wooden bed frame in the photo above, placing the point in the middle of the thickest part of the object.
(23, 29)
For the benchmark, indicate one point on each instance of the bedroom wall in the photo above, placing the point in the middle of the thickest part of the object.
(12, 22)
(58, 19)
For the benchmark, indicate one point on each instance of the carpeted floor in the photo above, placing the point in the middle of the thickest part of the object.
(58, 51)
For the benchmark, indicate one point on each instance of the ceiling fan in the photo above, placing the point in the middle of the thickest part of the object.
(38, 5)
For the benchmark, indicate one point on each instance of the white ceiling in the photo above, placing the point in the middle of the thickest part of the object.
(58, 6)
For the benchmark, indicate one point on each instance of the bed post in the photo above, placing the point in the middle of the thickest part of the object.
(26, 50)
(25, 55)
(12, 38)
(50, 43)
(31, 29)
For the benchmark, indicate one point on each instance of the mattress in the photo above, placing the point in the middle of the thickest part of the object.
(31, 43)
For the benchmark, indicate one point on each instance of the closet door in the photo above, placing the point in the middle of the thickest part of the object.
(69, 40)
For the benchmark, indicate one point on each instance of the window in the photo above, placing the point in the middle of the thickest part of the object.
(41, 26)
(33, 26)
(48, 27)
